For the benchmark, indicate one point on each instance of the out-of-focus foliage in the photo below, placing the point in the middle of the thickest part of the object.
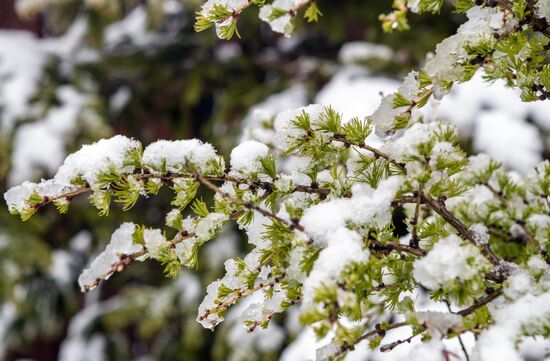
(139, 68)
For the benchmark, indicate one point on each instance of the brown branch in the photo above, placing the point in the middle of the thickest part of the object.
(440, 208)
(414, 222)
(459, 337)
(480, 303)
(531, 19)
(249, 205)
(67, 195)
(238, 294)
(167, 178)
(126, 259)
(313, 189)
(391, 346)
(390, 246)
(378, 330)
(377, 153)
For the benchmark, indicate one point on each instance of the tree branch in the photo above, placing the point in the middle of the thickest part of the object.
(440, 208)
(126, 259)
(377, 153)
(480, 303)
(414, 222)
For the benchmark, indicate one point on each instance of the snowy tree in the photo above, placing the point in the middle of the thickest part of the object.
(321, 197)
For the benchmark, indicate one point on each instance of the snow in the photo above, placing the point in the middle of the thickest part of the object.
(132, 27)
(527, 314)
(178, 155)
(344, 249)
(256, 124)
(285, 131)
(22, 60)
(509, 140)
(283, 183)
(121, 244)
(212, 319)
(360, 51)
(246, 157)
(438, 323)
(77, 340)
(100, 157)
(189, 287)
(95, 346)
(28, 161)
(229, 4)
(537, 265)
(498, 132)
(120, 99)
(342, 92)
(82, 333)
(306, 343)
(61, 268)
(450, 259)
(467, 101)
(326, 223)
(543, 9)
(442, 67)
(17, 197)
(225, 52)
(384, 116)
(172, 216)
(282, 24)
(255, 229)
(234, 279)
(429, 351)
(245, 343)
(81, 241)
(8, 314)
(408, 142)
(297, 168)
(208, 226)
(184, 250)
(155, 242)
(518, 284)
(481, 232)
(21, 63)
(327, 352)
(473, 106)
(539, 220)
(369, 209)
(534, 348)
(232, 6)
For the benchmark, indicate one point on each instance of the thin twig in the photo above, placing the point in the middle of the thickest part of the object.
(440, 208)
(126, 259)
(480, 303)
(378, 153)
(414, 223)
(391, 346)
(238, 294)
(398, 247)
(267, 186)
(378, 330)
(459, 337)
(249, 205)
